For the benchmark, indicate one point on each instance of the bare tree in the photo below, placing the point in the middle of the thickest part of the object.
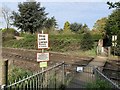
(6, 15)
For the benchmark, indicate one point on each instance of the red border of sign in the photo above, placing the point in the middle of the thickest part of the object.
(43, 60)
(48, 42)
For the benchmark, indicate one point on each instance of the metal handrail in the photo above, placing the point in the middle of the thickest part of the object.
(57, 65)
(113, 83)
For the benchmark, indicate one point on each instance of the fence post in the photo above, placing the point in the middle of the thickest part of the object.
(109, 51)
(63, 72)
(4, 73)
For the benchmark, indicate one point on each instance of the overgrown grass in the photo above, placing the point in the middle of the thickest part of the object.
(58, 43)
(16, 73)
(98, 85)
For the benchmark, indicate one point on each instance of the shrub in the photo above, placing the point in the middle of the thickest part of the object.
(8, 34)
(16, 73)
(86, 42)
(98, 85)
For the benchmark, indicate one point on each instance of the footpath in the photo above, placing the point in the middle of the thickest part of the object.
(80, 79)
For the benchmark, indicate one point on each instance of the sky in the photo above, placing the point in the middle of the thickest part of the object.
(84, 12)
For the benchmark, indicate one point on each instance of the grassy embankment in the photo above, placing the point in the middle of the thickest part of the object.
(58, 43)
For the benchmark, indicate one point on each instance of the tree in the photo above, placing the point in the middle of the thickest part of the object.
(84, 29)
(87, 42)
(66, 26)
(75, 27)
(30, 17)
(114, 5)
(50, 23)
(6, 14)
(99, 26)
(113, 25)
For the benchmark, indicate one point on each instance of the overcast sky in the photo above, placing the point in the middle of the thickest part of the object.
(85, 12)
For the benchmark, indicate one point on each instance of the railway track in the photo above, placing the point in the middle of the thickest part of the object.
(27, 58)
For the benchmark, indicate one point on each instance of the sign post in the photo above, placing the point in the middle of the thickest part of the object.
(42, 57)
(114, 43)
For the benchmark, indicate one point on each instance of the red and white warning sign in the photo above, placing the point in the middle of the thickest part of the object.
(42, 57)
(42, 41)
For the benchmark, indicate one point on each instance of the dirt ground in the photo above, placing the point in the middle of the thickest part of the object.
(27, 58)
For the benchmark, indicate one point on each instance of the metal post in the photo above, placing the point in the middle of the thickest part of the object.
(42, 52)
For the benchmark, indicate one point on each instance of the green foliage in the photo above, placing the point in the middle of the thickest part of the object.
(50, 23)
(9, 33)
(84, 29)
(98, 85)
(66, 26)
(30, 17)
(96, 37)
(86, 42)
(75, 27)
(64, 42)
(29, 42)
(113, 26)
(116, 50)
(114, 5)
(99, 26)
(113, 23)
(16, 73)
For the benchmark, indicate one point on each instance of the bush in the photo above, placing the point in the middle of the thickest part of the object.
(96, 37)
(116, 50)
(16, 73)
(98, 85)
(8, 34)
(29, 42)
(86, 42)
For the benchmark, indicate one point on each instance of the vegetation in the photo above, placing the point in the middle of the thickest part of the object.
(31, 17)
(86, 42)
(75, 27)
(16, 73)
(113, 26)
(98, 85)
(8, 34)
(99, 26)
(28, 42)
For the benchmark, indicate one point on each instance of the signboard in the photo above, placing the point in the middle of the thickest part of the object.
(114, 37)
(43, 64)
(42, 41)
(114, 44)
(79, 69)
(42, 57)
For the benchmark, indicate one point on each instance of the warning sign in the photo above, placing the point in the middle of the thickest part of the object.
(42, 57)
(43, 64)
(42, 41)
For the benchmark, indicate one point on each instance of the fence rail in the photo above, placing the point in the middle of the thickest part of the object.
(56, 76)
(101, 76)
(52, 77)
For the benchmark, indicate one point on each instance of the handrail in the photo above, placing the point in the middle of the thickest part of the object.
(57, 65)
(107, 78)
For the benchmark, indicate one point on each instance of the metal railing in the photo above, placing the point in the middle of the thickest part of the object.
(52, 77)
(101, 76)
(58, 75)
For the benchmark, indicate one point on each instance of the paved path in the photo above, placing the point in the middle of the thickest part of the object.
(82, 78)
